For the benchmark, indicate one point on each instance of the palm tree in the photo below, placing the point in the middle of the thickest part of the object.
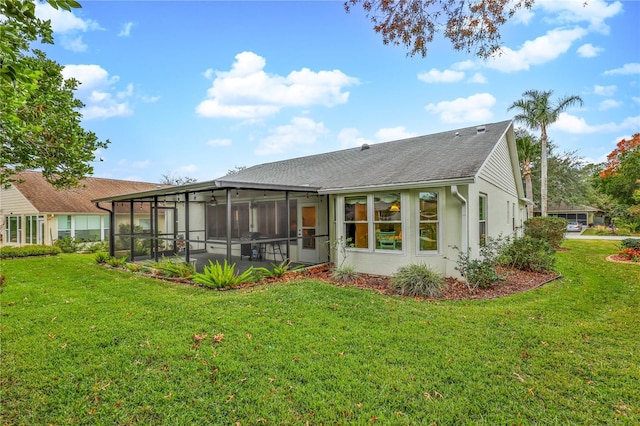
(528, 149)
(537, 111)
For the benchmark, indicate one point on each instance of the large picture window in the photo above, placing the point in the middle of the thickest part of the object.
(387, 221)
(355, 221)
(428, 221)
(64, 226)
(87, 227)
(31, 229)
(14, 229)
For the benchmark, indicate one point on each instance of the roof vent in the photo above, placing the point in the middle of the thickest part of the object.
(481, 129)
(364, 146)
(457, 134)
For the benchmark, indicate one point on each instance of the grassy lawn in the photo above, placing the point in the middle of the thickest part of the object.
(82, 344)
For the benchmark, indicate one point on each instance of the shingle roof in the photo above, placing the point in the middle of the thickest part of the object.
(452, 155)
(47, 199)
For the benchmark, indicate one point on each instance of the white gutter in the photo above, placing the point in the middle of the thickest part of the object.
(465, 222)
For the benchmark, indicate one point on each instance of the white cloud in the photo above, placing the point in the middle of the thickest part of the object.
(247, 91)
(523, 16)
(604, 90)
(436, 76)
(96, 91)
(593, 12)
(286, 138)
(219, 142)
(189, 168)
(632, 68)
(536, 52)
(588, 50)
(609, 104)
(475, 108)
(576, 125)
(350, 137)
(67, 25)
(478, 78)
(126, 30)
(394, 133)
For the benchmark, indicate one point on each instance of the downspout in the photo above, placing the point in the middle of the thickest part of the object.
(464, 212)
(111, 229)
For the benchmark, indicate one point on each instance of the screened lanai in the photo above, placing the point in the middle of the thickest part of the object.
(216, 220)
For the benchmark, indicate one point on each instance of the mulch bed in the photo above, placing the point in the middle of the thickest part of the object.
(515, 281)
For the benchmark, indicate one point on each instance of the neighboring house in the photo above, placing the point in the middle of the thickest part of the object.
(32, 211)
(416, 200)
(584, 215)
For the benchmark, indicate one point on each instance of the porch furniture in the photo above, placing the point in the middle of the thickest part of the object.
(387, 240)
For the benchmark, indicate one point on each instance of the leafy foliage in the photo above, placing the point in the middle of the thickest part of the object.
(101, 257)
(344, 273)
(68, 244)
(621, 174)
(277, 269)
(480, 272)
(414, 23)
(417, 280)
(26, 251)
(117, 262)
(222, 276)
(530, 254)
(633, 243)
(173, 267)
(550, 229)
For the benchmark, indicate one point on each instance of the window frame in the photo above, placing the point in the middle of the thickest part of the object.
(483, 222)
(420, 221)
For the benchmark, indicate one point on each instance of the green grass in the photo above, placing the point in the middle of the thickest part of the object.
(83, 344)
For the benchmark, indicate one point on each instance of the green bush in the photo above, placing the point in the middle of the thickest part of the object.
(480, 272)
(101, 257)
(173, 267)
(117, 262)
(26, 251)
(632, 243)
(95, 246)
(277, 269)
(417, 280)
(222, 276)
(344, 273)
(530, 254)
(550, 228)
(68, 244)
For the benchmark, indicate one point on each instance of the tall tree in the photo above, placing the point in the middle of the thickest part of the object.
(469, 25)
(537, 111)
(620, 177)
(39, 119)
(528, 149)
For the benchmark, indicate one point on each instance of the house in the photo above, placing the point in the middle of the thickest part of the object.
(585, 215)
(414, 200)
(32, 211)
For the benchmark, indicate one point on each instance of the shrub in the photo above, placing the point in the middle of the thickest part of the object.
(101, 257)
(134, 267)
(173, 267)
(222, 276)
(116, 262)
(26, 251)
(633, 243)
(344, 273)
(96, 246)
(417, 280)
(68, 244)
(480, 272)
(632, 254)
(550, 228)
(278, 269)
(530, 254)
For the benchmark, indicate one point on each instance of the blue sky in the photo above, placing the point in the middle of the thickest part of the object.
(197, 88)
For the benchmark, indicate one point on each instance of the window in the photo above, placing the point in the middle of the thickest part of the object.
(217, 221)
(87, 227)
(145, 224)
(31, 229)
(482, 219)
(64, 226)
(387, 221)
(355, 221)
(14, 229)
(428, 221)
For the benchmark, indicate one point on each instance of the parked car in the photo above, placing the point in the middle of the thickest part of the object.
(574, 227)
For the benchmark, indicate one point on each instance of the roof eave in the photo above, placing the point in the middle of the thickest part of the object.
(398, 186)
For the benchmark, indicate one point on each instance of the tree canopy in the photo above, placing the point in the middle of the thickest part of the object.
(471, 26)
(39, 119)
(620, 177)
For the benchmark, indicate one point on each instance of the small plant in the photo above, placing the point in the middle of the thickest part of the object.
(117, 262)
(68, 244)
(530, 254)
(173, 267)
(345, 274)
(97, 246)
(340, 246)
(632, 254)
(277, 269)
(633, 243)
(134, 267)
(101, 257)
(417, 280)
(480, 272)
(222, 276)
